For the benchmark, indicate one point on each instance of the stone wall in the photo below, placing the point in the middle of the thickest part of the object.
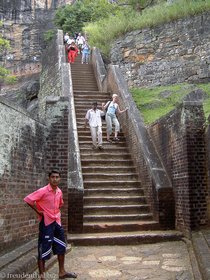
(50, 77)
(175, 52)
(180, 140)
(22, 170)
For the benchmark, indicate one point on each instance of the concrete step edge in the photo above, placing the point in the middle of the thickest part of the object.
(98, 239)
(202, 253)
(25, 266)
(17, 253)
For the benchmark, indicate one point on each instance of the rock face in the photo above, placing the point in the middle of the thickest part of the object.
(24, 25)
(24, 22)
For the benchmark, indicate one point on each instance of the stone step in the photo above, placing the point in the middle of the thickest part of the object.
(88, 148)
(86, 141)
(87, 102)
(106, 162)
(123, 238)
(101, 192)
(112, 183)
(110, 176)
(118, 217)
(88, 82)
(84, 82)
(115, 209)
(108, 169)
(94, 189)
(85, 137)
(86, 132)
(123, 226)
(83, 108)
(106, 155)
(80, 99)
(87, 93)
(115, 146)
(81, 67)
(89, 77)
(112, 191)
(84, 87)
(118, 200)
(96, 184)
(88, 99)
(79, 72)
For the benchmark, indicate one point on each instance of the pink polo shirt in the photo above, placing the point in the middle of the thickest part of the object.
(47, 201)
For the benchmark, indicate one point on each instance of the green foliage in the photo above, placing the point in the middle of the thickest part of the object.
(6, 77)
(154, 103)
(72, 18)
(10, 79)
(4, 73)
(49, 35)
(4, 44)
(104, 32)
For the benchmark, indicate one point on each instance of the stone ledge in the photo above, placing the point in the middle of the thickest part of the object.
(202, 252)
(22, 262)
(12, 256)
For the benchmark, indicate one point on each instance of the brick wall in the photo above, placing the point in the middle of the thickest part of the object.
(180, 140)
(59, 155)
(22, 149)
(57, 147)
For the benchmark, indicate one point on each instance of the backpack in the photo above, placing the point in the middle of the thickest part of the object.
(104, 117)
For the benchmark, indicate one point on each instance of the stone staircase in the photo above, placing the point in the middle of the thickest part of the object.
(115, 207)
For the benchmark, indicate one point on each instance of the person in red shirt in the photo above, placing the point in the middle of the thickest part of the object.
(46, 202)
(72, 52)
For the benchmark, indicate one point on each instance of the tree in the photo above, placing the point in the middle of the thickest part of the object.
(72, 18)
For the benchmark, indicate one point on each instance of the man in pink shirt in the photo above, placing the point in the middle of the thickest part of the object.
(46, 202)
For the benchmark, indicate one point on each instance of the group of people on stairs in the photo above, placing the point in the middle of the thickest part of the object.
(94, 119)
(77, 44)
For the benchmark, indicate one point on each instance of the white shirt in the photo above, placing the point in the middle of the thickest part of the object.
(94, 117)
(70, 41)
(80, 40)
(66, 37)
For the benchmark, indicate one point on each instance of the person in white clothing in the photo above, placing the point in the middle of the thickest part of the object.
(66, 37)
(93, 118)
(80, 41)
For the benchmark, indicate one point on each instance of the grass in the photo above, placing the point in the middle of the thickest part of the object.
(154, 103)
(102, 33)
